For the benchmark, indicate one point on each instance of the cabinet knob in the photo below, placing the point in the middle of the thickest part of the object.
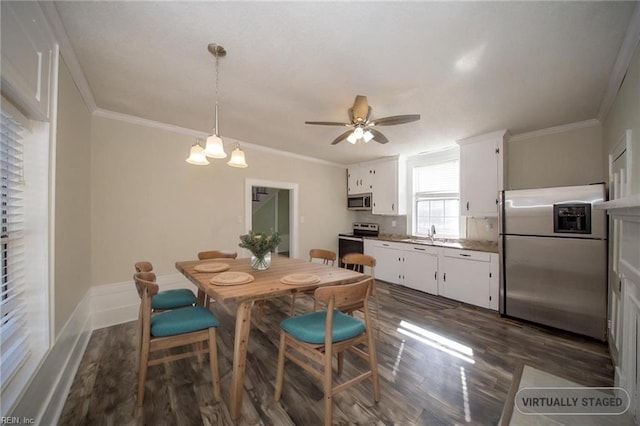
(444, 277)
(435, 275)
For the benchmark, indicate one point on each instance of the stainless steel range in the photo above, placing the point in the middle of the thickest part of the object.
(354, 242)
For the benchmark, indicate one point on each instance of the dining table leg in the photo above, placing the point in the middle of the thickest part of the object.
(240, 345)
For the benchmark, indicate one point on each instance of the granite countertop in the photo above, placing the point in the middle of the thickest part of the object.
(486, 246)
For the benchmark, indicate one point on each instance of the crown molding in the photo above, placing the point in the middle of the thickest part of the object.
(68, 54)
(625, 54)
(556, 129)
(132, 119)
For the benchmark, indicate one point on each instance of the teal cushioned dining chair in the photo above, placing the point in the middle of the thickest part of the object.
(189, 326)
(168, 299)
(307, 335)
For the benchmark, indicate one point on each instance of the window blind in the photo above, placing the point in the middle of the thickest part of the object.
(14, 345)
(437, 178)
(436, 189)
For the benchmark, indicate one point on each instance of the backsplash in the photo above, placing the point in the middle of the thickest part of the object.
(386, 222)
(482, 229)
(478, 229)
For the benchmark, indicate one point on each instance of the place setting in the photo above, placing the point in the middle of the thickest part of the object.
(231, 278)
(211, 267)
(300, 279)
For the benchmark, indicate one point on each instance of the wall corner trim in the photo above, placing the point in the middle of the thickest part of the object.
(625, 54)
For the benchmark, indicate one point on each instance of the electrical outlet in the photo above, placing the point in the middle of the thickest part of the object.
(393, 223)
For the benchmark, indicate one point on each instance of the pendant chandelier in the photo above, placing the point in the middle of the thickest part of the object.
(214, 147)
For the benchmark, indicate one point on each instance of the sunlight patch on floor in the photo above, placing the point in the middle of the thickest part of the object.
(437, 341)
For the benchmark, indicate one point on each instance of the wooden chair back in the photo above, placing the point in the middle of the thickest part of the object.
(346, 295)
(215, 254)
(146, 285)
(326, 256)
(356, 261)
(144, 266)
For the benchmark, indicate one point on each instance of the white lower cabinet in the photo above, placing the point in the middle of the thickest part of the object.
(464, 275)
(413, 266)
(421, 269)
(388, 261)
(470, 277)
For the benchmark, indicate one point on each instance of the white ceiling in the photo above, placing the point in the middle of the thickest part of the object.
(466, 67)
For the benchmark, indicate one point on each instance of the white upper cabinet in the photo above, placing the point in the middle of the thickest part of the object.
(359, 179)
(27, 57)
(482, 173)
(385, 180)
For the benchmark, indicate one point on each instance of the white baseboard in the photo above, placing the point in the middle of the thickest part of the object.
(46, 393)
(118, 303)
(101, 306)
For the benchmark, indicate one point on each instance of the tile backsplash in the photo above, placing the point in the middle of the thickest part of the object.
(478, 229)
(482, 229)
(386, 222)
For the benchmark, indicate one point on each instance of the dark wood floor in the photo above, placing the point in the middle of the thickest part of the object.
(438, 367)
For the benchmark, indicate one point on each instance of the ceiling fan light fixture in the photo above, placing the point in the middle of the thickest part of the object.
(367, 136)
(237, 158)
(360, 121)
(196, 156)
(214, 147)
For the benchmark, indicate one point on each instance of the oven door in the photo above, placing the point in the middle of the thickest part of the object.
(347, 244)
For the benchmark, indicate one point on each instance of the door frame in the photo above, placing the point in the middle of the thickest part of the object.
(293, 208)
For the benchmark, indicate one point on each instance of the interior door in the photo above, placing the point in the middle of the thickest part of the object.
(270, 213)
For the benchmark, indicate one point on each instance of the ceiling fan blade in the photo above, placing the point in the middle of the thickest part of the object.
(342, 137)
(327, 123)
(378, 137)
(396, 119)
(361, 109)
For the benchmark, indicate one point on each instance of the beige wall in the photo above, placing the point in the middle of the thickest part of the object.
(147, 203)
(625, 114)
(72, 200)
(572, 157)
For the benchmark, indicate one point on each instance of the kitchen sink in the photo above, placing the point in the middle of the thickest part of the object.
(435, 242)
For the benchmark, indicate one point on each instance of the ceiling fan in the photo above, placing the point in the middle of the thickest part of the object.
(361, 125)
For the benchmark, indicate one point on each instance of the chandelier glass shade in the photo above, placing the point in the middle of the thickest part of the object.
(196, 156)
(237, 158)
(215, 147)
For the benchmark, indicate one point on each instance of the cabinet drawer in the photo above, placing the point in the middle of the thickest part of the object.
(468, 255)
(390, 245)
(422, 248)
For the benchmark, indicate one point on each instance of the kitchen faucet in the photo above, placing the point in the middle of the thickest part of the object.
(432, 232)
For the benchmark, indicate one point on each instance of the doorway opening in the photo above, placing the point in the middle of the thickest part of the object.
(272, 207)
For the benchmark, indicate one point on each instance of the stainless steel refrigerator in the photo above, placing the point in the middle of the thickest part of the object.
(553, 258)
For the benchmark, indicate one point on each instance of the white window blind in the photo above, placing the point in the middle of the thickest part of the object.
(14, 345)
(437, 198)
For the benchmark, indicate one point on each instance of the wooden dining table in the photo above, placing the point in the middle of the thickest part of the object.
(266, 285)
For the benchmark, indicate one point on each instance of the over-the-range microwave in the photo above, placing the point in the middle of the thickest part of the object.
(359, 202)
